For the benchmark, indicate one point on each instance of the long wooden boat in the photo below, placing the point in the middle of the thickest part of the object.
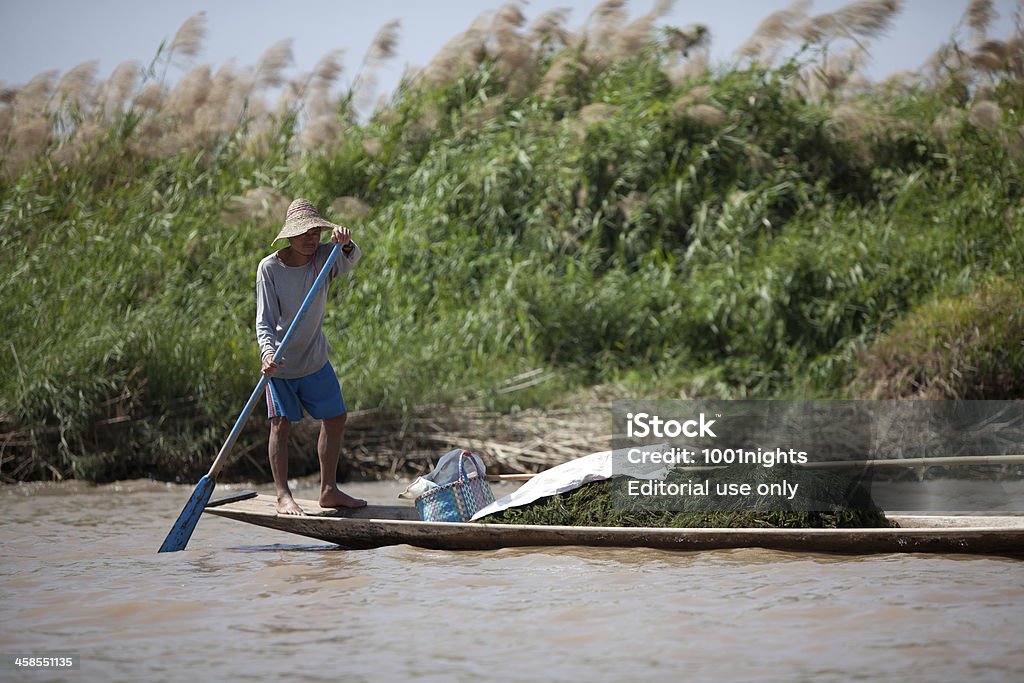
(383, 525)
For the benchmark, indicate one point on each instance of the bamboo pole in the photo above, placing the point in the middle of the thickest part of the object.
(923, 462)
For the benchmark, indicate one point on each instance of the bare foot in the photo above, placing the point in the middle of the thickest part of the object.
(335, 498)
(286, 505)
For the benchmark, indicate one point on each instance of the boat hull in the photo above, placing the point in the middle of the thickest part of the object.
(378, 526)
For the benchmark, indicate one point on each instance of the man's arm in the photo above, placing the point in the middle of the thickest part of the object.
(350, 251)
(267, 315)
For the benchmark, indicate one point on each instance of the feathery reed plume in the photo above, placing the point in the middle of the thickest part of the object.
(222, 101)
(991, 56)
(635, 35)
(948, 64)
(864, 19)
(479, 117)
(512, 52)
(116, 90)
(350, 208)
(901, 81)
(189, 93)
(550, 27)
(1015, 46)
(869, 18)
(466, 48)
(328, 69)
(985, 92)
(565, 67)
(32, 136)
(150, 97)
(272, 63)
(706, 115)
(817, 29)
(187, 122)
(682, 40)
(838, 70)
(385, 42)
(609, 10)
(422, 129)
(698, 95)
(33, 97)
(979, 16)
(321, 132)
(188, 40)
(776, 27)
(220, 112)
(318, 102)
(680, 106)
(985, 115)
(76, 148)
(6, 121)
(372, 147)
(597, 112)
(694, 67)
(509, 15)
(946, 122)
(28, 140)
(858, 126)
(849, 120)
(382, 47)
(606, 20)
(76, 85)
(259, 204)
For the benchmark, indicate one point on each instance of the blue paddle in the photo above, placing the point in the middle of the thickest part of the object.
(182, 530)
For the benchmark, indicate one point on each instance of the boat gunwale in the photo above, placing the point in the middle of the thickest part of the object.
(360, 528)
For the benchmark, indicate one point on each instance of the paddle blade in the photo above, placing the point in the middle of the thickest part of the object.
(182, 530)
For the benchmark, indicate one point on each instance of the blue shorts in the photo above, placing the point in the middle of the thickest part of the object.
(319, 394)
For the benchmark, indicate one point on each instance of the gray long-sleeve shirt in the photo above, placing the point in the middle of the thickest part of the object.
(280, 290)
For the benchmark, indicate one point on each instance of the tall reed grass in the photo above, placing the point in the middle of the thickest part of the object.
(596, 201)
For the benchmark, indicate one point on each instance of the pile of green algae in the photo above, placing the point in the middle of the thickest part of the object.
(841, 502)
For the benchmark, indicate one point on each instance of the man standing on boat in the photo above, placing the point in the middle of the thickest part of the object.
(305, 379)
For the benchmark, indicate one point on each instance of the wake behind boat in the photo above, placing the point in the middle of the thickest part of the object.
(382, 525)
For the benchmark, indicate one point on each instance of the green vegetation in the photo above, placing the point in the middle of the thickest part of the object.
(622, 216)
(843, 504)
(969, 346)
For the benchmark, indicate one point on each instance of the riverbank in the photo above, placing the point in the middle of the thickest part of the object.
(378, 445)
(618, 216)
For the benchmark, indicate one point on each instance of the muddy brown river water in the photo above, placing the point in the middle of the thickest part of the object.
(80, 575)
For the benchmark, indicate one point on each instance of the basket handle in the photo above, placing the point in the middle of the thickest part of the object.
(463, 456)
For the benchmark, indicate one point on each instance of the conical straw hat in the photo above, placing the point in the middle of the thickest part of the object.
(302, 216)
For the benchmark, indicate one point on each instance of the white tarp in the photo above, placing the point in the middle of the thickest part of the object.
(570, 476)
